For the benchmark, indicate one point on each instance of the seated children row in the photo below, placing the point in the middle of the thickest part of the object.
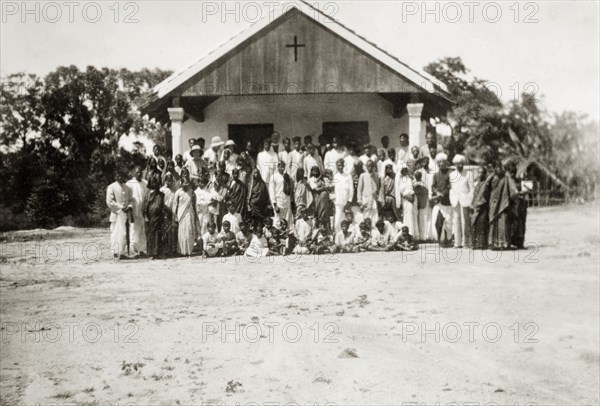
(258, 240)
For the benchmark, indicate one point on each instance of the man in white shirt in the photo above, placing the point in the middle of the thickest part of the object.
(295, 159)
(186, 155)
(461, 195)
(311, 159)
(266, 161)
(343, 191)
(403, 152)
(332, 156)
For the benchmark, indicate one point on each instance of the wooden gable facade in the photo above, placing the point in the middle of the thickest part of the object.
(299, 55)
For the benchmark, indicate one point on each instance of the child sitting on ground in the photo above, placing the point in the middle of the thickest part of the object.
(258, 246)
(211, 244)
(304, 230)
(228, 240)
(321, 241)
(243, 238)
(362, 240)
(344, 240)
(405, 241)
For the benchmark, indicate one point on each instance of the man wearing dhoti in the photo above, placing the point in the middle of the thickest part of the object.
(368, 191)
(137, 230)
(118, 200)
(343, 190)
(440, 191)
(461, 194)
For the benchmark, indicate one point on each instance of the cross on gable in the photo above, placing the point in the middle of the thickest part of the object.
(295, 45)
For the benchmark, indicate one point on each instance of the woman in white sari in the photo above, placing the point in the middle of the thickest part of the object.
(187, 219)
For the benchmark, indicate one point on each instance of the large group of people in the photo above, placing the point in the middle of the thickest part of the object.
(295, 197)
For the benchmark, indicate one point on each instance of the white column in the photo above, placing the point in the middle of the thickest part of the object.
(414, 123)
(176, 115)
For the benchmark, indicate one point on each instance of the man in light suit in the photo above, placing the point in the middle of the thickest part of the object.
(118, 200)
(461, 195)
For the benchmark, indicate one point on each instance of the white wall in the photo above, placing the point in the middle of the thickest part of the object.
(299, 115)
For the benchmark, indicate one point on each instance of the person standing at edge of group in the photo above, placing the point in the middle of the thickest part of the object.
(461, 194)
(137, 230)
(118, 200)
(403, 151)
(344, 189)
(481, 205)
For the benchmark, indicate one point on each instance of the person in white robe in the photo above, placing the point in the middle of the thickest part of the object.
(405, 198)
(461, 195)
(295, 158)
(137, 229)
(266, 162)
(332, 156)
(118, 200)
(367, 192)
(343, 191)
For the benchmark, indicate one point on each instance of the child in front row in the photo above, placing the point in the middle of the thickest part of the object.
(405, 241)
(228, 240)
(211, 244)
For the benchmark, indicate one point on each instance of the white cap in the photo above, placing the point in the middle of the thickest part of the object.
(441, 157)
(458, 158)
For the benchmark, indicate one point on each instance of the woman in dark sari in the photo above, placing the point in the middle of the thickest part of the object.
(322, 202)
(390, 210)
(502, 206)
(169, 223)
(153, 212)
(259, 200)
(481, 208)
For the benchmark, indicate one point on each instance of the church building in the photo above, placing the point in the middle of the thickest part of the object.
(299, 73)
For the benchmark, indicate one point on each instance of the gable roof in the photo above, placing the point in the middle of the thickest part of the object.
(420, 79)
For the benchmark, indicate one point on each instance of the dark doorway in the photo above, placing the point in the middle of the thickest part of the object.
(347, 132)
(255, 133)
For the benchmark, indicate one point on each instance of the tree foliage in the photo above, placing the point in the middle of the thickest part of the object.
(59, 138)
(564, 146)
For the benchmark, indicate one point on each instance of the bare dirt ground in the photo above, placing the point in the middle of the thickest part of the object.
(362, 329)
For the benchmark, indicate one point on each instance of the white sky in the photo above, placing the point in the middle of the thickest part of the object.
(558, 55)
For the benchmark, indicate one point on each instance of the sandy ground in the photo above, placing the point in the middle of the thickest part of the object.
(363, 329)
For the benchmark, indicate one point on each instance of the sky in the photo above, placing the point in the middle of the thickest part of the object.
(550, 48)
